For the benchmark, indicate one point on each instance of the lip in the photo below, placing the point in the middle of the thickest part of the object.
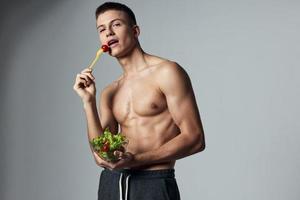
(113, 44)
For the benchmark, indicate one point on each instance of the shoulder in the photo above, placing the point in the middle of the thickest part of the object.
(172, 77)
(172, 71)
(171, 68)
(108, 91)
(165, 66)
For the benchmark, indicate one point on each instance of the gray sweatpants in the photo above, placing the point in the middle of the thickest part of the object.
(129, 184)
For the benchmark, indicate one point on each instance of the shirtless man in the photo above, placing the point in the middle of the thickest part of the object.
(154, 104)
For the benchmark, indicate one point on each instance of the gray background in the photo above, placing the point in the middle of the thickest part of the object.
(241, 57)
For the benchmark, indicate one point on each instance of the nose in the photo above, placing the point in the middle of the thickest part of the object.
(109, 32)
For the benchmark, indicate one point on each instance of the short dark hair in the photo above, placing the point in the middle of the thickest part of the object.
(116, 6)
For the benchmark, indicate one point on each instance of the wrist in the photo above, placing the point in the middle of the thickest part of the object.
(139, 159)
(90, 101)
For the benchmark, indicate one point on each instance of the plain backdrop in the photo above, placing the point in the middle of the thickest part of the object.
(242, 58)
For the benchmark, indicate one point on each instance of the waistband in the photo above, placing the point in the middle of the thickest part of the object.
(160, 173)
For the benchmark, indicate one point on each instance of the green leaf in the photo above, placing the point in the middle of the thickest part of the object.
(116, 141)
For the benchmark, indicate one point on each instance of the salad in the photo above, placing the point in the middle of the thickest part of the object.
(105, 145)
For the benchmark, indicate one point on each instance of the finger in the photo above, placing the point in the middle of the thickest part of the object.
(89, 75)
(87, 70)
(119, 154)
(80, 81)
(86, 78)
(81, 76)
(126, 155)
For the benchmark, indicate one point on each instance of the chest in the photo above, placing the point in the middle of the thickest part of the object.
(137, 98)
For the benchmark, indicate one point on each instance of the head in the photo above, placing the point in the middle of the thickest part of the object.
(117, 27)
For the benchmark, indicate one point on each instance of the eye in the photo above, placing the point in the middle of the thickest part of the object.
(116, 24)
(101, 30)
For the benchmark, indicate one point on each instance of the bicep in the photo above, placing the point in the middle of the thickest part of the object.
(106, 116)
(181, 100)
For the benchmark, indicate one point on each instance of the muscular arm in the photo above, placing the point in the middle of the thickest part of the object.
(94, 127)
(97, 122)
(106, 116)
(183, 109)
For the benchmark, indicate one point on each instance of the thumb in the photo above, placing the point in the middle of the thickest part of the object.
(119, 154)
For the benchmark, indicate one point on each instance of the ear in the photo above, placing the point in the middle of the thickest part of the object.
(136, 30)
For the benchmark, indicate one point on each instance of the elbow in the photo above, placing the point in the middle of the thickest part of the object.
(202, 147)
(199, 143)
(195, 143)
(199, 147)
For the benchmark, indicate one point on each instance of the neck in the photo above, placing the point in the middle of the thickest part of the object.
(133, 62)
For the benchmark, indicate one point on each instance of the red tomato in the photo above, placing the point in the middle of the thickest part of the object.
(105, 147)
(105, 48)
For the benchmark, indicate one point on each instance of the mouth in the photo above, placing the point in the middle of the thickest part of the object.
(112, 42)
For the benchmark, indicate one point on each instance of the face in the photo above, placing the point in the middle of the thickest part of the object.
(115, 30)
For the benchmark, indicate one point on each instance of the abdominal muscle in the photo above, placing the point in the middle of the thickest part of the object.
(149, 133)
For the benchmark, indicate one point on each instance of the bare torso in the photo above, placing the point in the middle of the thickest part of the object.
(141, 109)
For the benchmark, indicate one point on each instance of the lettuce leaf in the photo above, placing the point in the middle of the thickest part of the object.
(115, 141)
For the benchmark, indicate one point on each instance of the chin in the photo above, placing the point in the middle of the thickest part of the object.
(118, 53)
(115, 54)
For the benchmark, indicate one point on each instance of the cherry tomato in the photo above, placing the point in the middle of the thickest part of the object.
(105, 147)
(105, 48)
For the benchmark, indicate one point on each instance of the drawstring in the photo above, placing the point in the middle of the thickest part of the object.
(126, 192)
(126, 187)
(120, 186)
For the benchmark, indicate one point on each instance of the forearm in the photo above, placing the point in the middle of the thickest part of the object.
(94, 127)
(181, 146)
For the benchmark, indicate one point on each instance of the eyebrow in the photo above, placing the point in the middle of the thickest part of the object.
(111, 22)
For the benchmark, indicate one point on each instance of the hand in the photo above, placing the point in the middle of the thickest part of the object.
(126, 160)
(85, 85)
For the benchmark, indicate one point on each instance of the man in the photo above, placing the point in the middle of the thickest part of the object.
(154, 104)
